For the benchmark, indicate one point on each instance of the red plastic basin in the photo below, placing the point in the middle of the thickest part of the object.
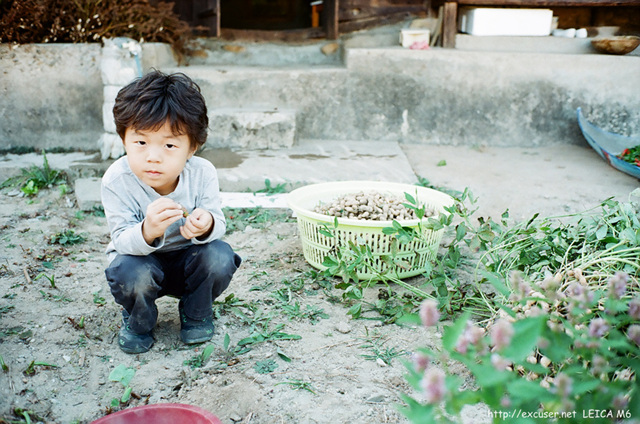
(162, 413)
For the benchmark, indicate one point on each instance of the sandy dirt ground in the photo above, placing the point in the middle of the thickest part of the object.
(284, 351)
(316, 365)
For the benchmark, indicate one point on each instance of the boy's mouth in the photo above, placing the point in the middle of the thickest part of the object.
(153, 173)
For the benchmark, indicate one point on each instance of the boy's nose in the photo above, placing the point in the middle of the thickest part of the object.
(154, 155)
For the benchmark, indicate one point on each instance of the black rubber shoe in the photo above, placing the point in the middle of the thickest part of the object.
(131, 342)
(194, 331)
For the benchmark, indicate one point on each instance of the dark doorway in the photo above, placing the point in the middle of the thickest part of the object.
(265, 14)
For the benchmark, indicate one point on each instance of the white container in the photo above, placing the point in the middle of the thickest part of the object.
(408, 37)
(505, 22)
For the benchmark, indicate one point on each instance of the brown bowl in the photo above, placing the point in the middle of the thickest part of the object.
(621, 44)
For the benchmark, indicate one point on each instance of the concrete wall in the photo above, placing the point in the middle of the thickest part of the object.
(51, 94)
(441, 96)
(446, 96)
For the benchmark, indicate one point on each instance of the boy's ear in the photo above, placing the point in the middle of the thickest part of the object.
(194, 149)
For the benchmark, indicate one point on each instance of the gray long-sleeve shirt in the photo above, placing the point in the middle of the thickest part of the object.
(125, 199)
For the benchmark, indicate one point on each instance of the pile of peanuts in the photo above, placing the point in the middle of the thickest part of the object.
(371, 205)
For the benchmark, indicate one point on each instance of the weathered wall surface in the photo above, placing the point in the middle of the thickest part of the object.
(441, 96)
(51, 95)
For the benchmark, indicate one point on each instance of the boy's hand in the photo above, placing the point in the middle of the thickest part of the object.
(198, 223)
(160, 214)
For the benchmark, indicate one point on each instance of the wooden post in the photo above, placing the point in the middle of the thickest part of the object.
(208, 14)
(330, 8)
(450, 24)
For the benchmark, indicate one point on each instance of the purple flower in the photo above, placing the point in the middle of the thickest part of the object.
(634, 309)
(429, 313)
(618, 285)
(564, 385)
(519, 287)
(501, 333)
(433, 385)
(633, 333)
(462, 345)
(499, 363)
(474, 334)
(598, 365)
(471, 335)
(420, 361)
(620, 402)
(598, 328)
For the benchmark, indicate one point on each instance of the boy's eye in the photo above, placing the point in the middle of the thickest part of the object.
(170, 146)
(140, 142)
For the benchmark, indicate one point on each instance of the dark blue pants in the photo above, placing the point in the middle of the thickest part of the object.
(197, 274)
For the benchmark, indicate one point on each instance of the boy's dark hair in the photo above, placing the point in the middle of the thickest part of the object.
(148, 102)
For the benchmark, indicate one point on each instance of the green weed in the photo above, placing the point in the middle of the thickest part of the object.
(51, 279)
(35, 178)
(266, 366)
(123, 375)
(239, 218)
(31, 368)
(67, 237)
(54, 297)
(201, 359)
(298, 385)
(375, 344)
(265, 335)
(270, 190)
(5, 309)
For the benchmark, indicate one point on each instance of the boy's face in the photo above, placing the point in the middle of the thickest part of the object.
(157, 157)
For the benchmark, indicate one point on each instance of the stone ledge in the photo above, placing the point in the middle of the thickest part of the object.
(252, 129)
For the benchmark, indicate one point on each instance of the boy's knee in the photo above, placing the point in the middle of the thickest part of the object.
(133, 275)
(218, 258)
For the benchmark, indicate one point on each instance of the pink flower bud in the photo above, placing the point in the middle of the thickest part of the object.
(429, 313)
(564, 385)
(618, 285)
(634, 309)
(633, 333)
(499, 363)
(598, 328)
(598, 365)
(501, 333)
(420, 361)
(433, 385)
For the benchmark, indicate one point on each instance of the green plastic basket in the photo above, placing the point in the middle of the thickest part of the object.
(316, 246)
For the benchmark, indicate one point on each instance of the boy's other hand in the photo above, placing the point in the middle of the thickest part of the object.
(160, 214)
(198, 223)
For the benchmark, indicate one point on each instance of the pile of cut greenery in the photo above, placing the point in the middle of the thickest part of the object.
(559, 297)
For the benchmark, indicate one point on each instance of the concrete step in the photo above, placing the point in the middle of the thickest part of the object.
(439, 96)
(251, 128)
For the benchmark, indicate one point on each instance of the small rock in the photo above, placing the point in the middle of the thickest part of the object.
(329, 49)
(343, 327)
(376, 399)
(67, 358)
(235, 418)
(380, 362)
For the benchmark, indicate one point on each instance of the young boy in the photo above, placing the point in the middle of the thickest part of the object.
(163, 209)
